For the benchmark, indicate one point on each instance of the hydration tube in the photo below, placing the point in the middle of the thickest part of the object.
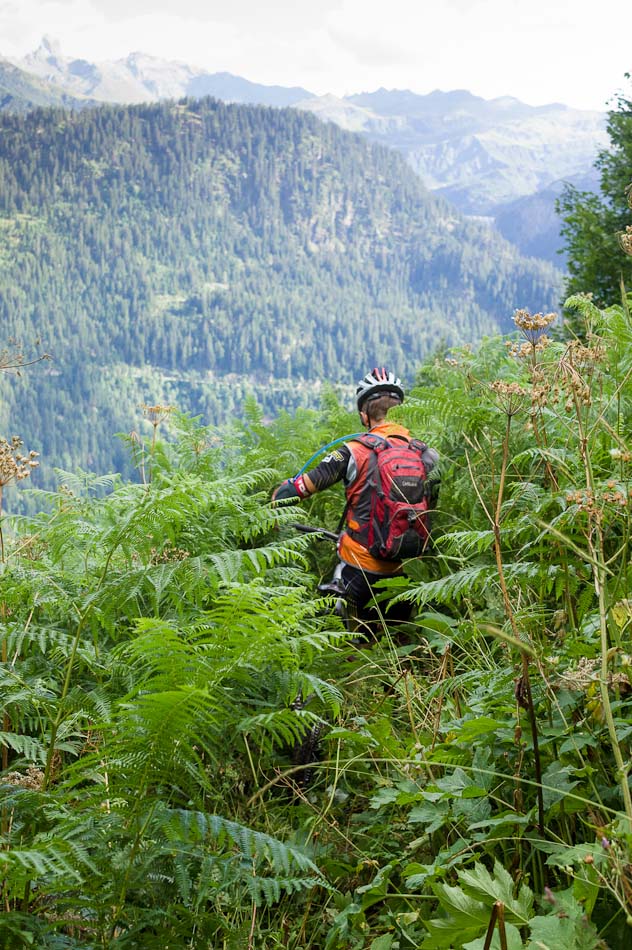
(343, 438)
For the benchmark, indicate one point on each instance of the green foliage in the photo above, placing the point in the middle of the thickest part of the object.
(159, 633)
(596, 261)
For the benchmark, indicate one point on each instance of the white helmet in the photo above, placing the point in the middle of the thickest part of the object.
(377, 382)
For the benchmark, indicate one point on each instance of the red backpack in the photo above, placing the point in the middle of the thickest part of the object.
(392, 509)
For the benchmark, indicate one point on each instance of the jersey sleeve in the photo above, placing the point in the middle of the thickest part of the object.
(331, 469)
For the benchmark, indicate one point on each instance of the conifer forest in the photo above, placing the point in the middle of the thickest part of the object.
(197, 754)
(195, 252)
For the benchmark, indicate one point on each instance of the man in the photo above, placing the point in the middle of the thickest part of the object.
(376, 393)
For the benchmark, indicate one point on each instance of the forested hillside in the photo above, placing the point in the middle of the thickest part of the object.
(184, 252)
(596, 227)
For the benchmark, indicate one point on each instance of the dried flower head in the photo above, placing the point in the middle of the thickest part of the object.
(580, 676)
(14, 466)
(526, 349)
(581, 354)
(623, 455)
(533, 325)
(13, 358)
(510, 396)
(156, 414)
(33, 778)
(625, 240)
(577, 390)
(168, 553)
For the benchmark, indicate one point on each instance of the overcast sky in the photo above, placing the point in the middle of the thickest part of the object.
(571, 51)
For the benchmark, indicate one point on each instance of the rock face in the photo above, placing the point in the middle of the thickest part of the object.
(21, 91)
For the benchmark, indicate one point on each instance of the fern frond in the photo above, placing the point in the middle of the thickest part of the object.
(254, 845)
(283, 728)
(473, 580)
(29, 748)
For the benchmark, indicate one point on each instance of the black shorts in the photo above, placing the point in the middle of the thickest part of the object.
(358, 585)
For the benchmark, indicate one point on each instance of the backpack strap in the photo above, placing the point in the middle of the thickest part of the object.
(372, 441)
(418, 444)
(379, 442)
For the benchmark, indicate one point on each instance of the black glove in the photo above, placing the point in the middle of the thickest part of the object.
(287, 490)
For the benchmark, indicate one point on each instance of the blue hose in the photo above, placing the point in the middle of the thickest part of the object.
(343, 438)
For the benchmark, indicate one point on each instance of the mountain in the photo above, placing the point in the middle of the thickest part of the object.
(477, 153)
(482, 155)
(191, 252)
(142, 78)
(20, 91)
(532, 223)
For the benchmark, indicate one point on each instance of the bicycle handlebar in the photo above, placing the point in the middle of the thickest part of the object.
(309, 529)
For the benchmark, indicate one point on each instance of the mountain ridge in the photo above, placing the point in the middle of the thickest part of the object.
(482, 155)
(20, 91)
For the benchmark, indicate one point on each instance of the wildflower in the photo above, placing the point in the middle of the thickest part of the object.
(14, 466)
(625, 240)
(532, 326)
(510, 396)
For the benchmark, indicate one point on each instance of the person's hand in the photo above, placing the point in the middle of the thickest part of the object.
(291, 490)
(286, 492)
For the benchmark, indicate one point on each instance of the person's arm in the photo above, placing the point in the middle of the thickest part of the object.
(330, 470)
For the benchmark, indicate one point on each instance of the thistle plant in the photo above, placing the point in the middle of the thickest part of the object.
(155, 415)
(14, 467)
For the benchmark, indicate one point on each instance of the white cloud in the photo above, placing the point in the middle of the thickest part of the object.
(548, 50)
(542, 51)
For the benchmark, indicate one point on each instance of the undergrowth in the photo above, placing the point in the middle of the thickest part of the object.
(472, 788)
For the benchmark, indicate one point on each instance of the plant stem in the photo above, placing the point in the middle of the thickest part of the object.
(526, 680)
(598, 564)
(60, 711)
(6, 724)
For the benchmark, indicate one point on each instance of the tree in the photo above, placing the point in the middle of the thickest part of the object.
(592, 223)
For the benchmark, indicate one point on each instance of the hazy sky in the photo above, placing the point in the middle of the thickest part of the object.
(572, 51)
